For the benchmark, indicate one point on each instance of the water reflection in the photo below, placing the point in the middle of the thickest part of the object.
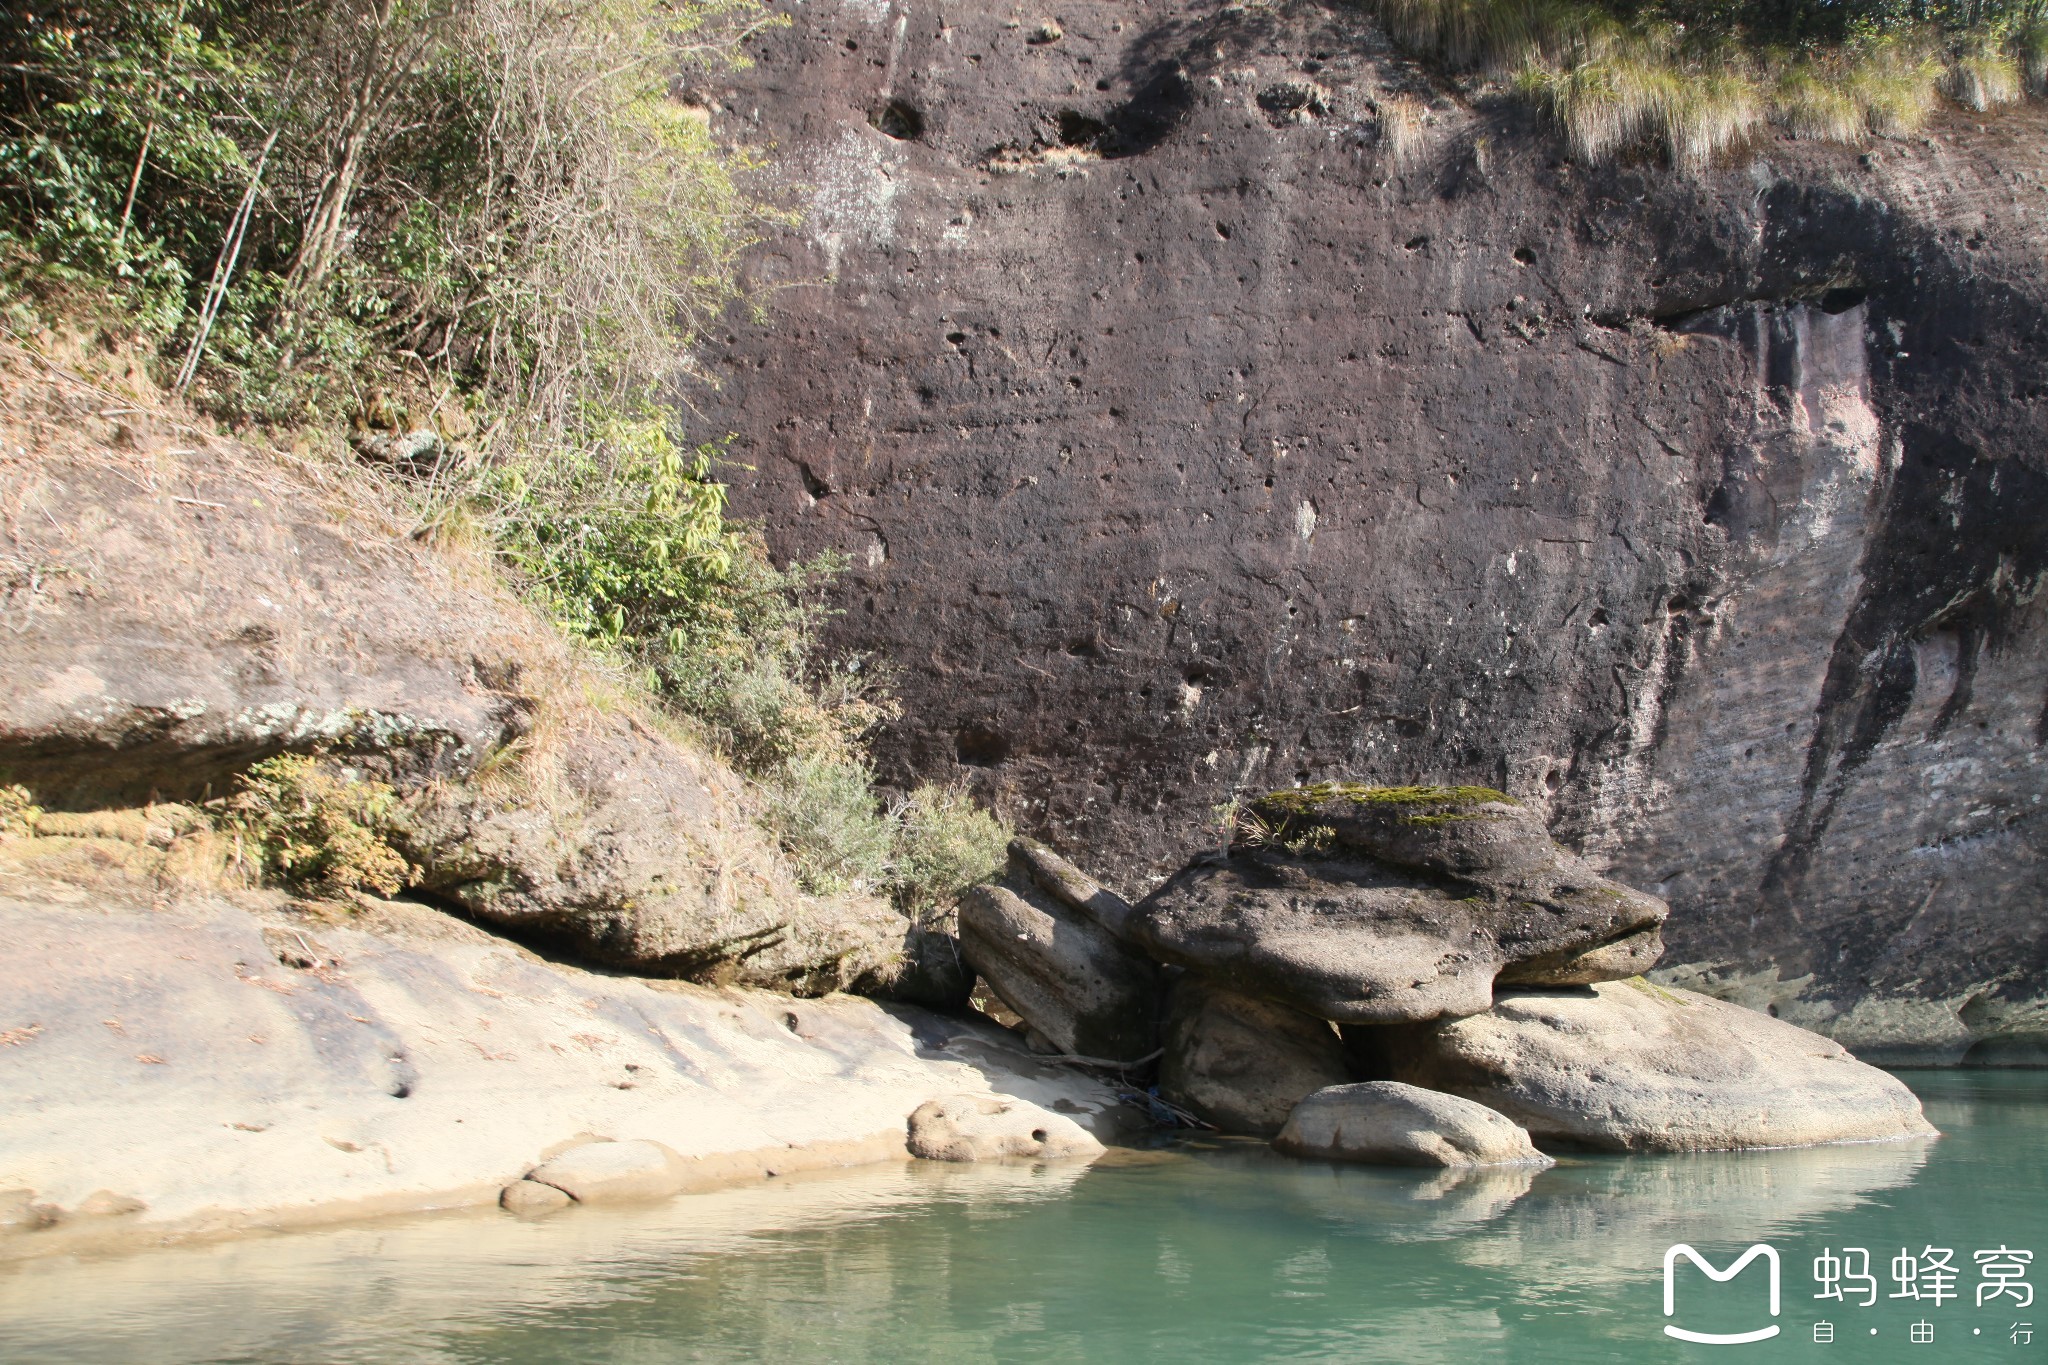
(1217, 1253)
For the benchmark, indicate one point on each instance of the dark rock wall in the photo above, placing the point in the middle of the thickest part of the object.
(1208, 401)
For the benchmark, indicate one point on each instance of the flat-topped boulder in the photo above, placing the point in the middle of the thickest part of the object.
(1045, 938)
(1388, 1123)
(1630, 1066)
(1396, 904)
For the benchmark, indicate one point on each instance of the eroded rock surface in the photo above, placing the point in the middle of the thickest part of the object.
(1041, 938)
(1188, 435)
(996, 1128)
(1388, 1123)
(202, 1065)
(1633, 1067)
(613, 1172)
(1383, 905)
(1240, 1062)
(197, 608)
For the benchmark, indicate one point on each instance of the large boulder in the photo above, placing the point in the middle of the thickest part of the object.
(1041, 937)
(1633, 1067)
(1391, 1124)
(218, 606)
(1396, 904)
(996, 1128)
(1243, 1063)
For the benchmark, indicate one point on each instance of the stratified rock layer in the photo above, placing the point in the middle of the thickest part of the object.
(1385, 905)
(1632, 1067)
(1039, 939)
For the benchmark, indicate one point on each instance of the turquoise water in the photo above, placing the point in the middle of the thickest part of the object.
(1221, 1252)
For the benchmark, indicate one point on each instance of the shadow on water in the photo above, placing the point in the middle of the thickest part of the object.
(1219, 1251)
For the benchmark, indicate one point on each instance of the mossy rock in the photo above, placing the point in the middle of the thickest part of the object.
(1301, 800)
(1458, 830)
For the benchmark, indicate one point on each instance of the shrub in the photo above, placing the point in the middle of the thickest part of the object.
(823, 809)
(944, 844)
(18, 810)
(393, 213)
(318, 831)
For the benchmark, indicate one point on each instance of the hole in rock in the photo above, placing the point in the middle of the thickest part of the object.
(1598, 618)
(956, 337)
(1223, 231)
(1838, 301)
(1415, 243)
(980, 746)
(898, 120)
(1524, 256)
(1038, 1134)
(1076, 129)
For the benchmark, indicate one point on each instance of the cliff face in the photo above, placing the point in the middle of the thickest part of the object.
(1208, 402)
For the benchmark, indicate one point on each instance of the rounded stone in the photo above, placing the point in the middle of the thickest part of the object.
(1392, 1124)
(611, 1172)
(995, 1128)
(530, 1198)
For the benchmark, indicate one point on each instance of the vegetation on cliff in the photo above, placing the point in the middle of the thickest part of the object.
(1697, 77)
(471, 243)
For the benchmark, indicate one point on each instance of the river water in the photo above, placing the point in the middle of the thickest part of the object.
(1218, 1251)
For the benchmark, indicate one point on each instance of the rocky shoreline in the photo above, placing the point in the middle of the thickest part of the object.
(209, 1067)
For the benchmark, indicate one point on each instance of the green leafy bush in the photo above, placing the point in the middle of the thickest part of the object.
(922, 851)
(504, 198)
(944, 844)
(504, 217)
(824, 811)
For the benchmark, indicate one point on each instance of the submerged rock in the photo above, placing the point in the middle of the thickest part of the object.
(1632, 1067)
(1386, 905)
(607, 1172)
(530, 1198)
(1041, 938)
(995, 1128)
(1243, 1063)
(1392, 1124)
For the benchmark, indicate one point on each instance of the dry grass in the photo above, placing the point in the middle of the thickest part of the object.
(1983, 77)
(164, 850)
(1611, 88)
(1401, 131)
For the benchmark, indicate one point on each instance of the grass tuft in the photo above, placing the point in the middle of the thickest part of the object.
(1626, 77)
